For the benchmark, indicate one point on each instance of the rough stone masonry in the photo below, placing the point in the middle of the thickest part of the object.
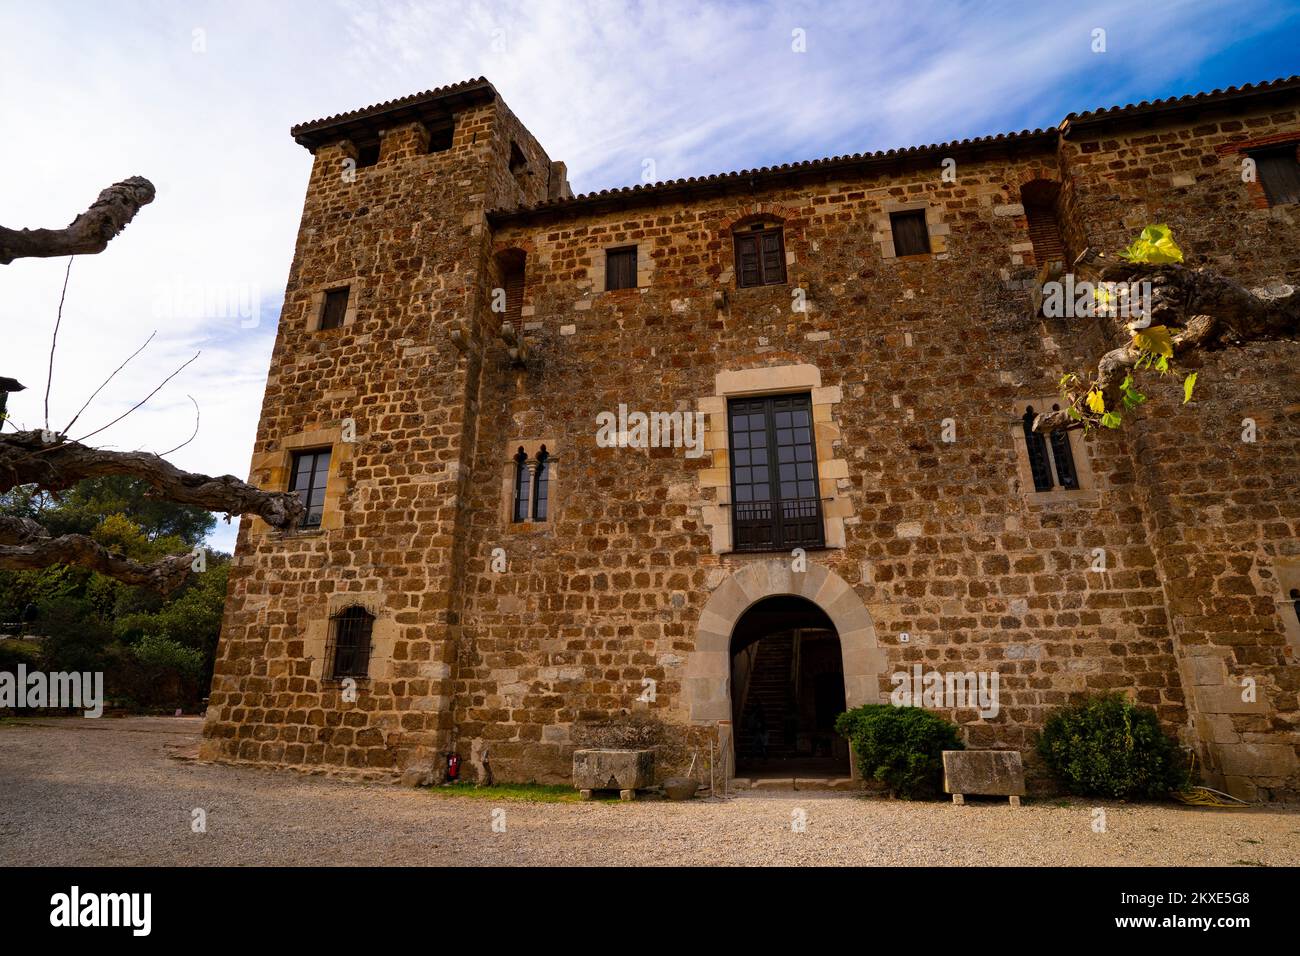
(455, 322)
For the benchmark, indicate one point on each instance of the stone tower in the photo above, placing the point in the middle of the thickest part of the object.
(392, 263)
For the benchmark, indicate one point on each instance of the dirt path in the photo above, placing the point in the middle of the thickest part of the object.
(105, 792)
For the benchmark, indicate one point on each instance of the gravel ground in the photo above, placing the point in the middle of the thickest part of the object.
(105, 792)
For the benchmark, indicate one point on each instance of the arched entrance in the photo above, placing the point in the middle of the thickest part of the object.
(787, 688)
(708, 682)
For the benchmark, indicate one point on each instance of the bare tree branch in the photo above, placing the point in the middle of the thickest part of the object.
(88, 233)
(1205, 311)
(142, 401)
(26, 546)
(54, 341)
(67, 428)
(193, 434)
(25, 458)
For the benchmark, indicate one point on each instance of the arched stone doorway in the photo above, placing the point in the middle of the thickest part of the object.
(787, 688)
(708, 683)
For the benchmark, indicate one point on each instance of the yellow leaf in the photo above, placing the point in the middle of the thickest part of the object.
(1155, 339)
(1189, 383)
(1096, 401)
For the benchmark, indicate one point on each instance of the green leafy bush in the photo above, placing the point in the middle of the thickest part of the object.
(901, 747)
(1107, 746)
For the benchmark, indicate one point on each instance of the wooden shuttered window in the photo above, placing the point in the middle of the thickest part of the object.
(335, 309)
(911, 238)
(1278, 171)
(620, 268)
(1044, 233)
(513, 284)
(775, 493)
(760, 256)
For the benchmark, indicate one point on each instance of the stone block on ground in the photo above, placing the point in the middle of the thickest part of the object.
(613, 769)
(996, 773)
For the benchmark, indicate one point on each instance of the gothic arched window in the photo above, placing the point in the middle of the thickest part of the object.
(520, 510)
(541, 484)
(1036, 446)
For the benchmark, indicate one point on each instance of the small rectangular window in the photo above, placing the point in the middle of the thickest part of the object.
(620, 268)
(1279, 173)
(367, 154)
(440, 137)
(911, 238)
(310, 471)
(335, 308)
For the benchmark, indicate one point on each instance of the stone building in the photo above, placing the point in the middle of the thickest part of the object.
(833, 484)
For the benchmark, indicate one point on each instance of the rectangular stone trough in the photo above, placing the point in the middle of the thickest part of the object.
(996, 773)
(626, 771)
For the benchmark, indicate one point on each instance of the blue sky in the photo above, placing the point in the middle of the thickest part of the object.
(199, 98)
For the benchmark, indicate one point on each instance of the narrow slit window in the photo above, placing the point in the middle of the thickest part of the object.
(310, 473)
(348, 654)
(335, 309)
(1036, 447)
(520, 510)
(541, 485)
(911, 238)
(620, 268)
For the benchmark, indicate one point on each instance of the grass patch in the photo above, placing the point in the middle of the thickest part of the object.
(515, 792)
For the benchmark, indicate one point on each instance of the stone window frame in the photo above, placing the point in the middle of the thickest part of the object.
(273, 471)
(316, 303)
(1087, 490)
(645, 267)
(935, 227)
(383, 636)
(832, 470)
(554, 487)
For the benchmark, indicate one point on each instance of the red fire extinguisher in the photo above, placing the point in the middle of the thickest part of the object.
(453, 766)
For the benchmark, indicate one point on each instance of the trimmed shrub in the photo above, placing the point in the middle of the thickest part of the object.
(1107, 746)
(901, 747)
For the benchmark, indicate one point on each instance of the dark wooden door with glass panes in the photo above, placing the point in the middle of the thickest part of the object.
(775, 496)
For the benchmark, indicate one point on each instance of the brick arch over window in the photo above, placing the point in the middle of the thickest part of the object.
(708, 668)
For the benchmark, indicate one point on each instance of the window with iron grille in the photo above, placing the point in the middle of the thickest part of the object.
(1278, 171)
(335, 308)
(620, 268)
(1063, 458)
(911, 238)
(760, 256)
(519, 512)
(348, 652)
(775, 494)
(310, 471)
